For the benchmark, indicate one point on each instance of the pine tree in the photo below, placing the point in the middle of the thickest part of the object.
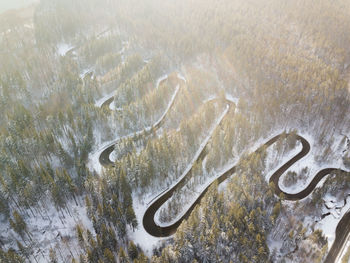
(122, 256)
(132, 250)
(18, 224)
(80, 235)
(108, 256)
(52, 256)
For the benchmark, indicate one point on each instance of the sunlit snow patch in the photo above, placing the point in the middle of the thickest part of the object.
(63, 48)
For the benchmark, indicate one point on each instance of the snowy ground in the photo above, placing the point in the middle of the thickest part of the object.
(235, 100)
(49, 229)
(199, 188)
(272, 165)
(336, 207)
(314, 167)
(94, 163)
(99, 102)
(329, 223)
(208, 180)
(84, 72)
(30, 26)
(164, 77)
(180, 76)
(140, 236)
(63, 48)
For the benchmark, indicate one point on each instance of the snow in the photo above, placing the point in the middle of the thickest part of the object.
(140, 235)
(168, 107)
(330, 201)
(235, 100)
(105, 33)
(122, 51)
(272, 166)
(164, 77)
(180, 76)
(48, 229)
(307, 161)
(30, 26)
(93, 162)
(114, 108)
(199, 189)
(189, 167)
(100, 101)
(329, 223)
(84, 72)
(63, 48)
(228, 166)
(148, 242)
(336, 208)
(125, 44)
(210, 98)
(147, 129)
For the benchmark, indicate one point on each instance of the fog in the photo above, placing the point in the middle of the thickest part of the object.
(6, 5)
(222, 125)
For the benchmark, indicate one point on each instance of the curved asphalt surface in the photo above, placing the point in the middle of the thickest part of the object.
(104, 156)
(343, 227)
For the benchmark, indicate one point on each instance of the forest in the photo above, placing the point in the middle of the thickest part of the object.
(154, 131)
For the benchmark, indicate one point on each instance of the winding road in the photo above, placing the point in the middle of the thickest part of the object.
(104, 158)
(149, 224)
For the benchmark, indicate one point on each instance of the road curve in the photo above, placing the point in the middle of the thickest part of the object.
(107, 103)
(148, 219)
(342, 229)
(104, 156)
